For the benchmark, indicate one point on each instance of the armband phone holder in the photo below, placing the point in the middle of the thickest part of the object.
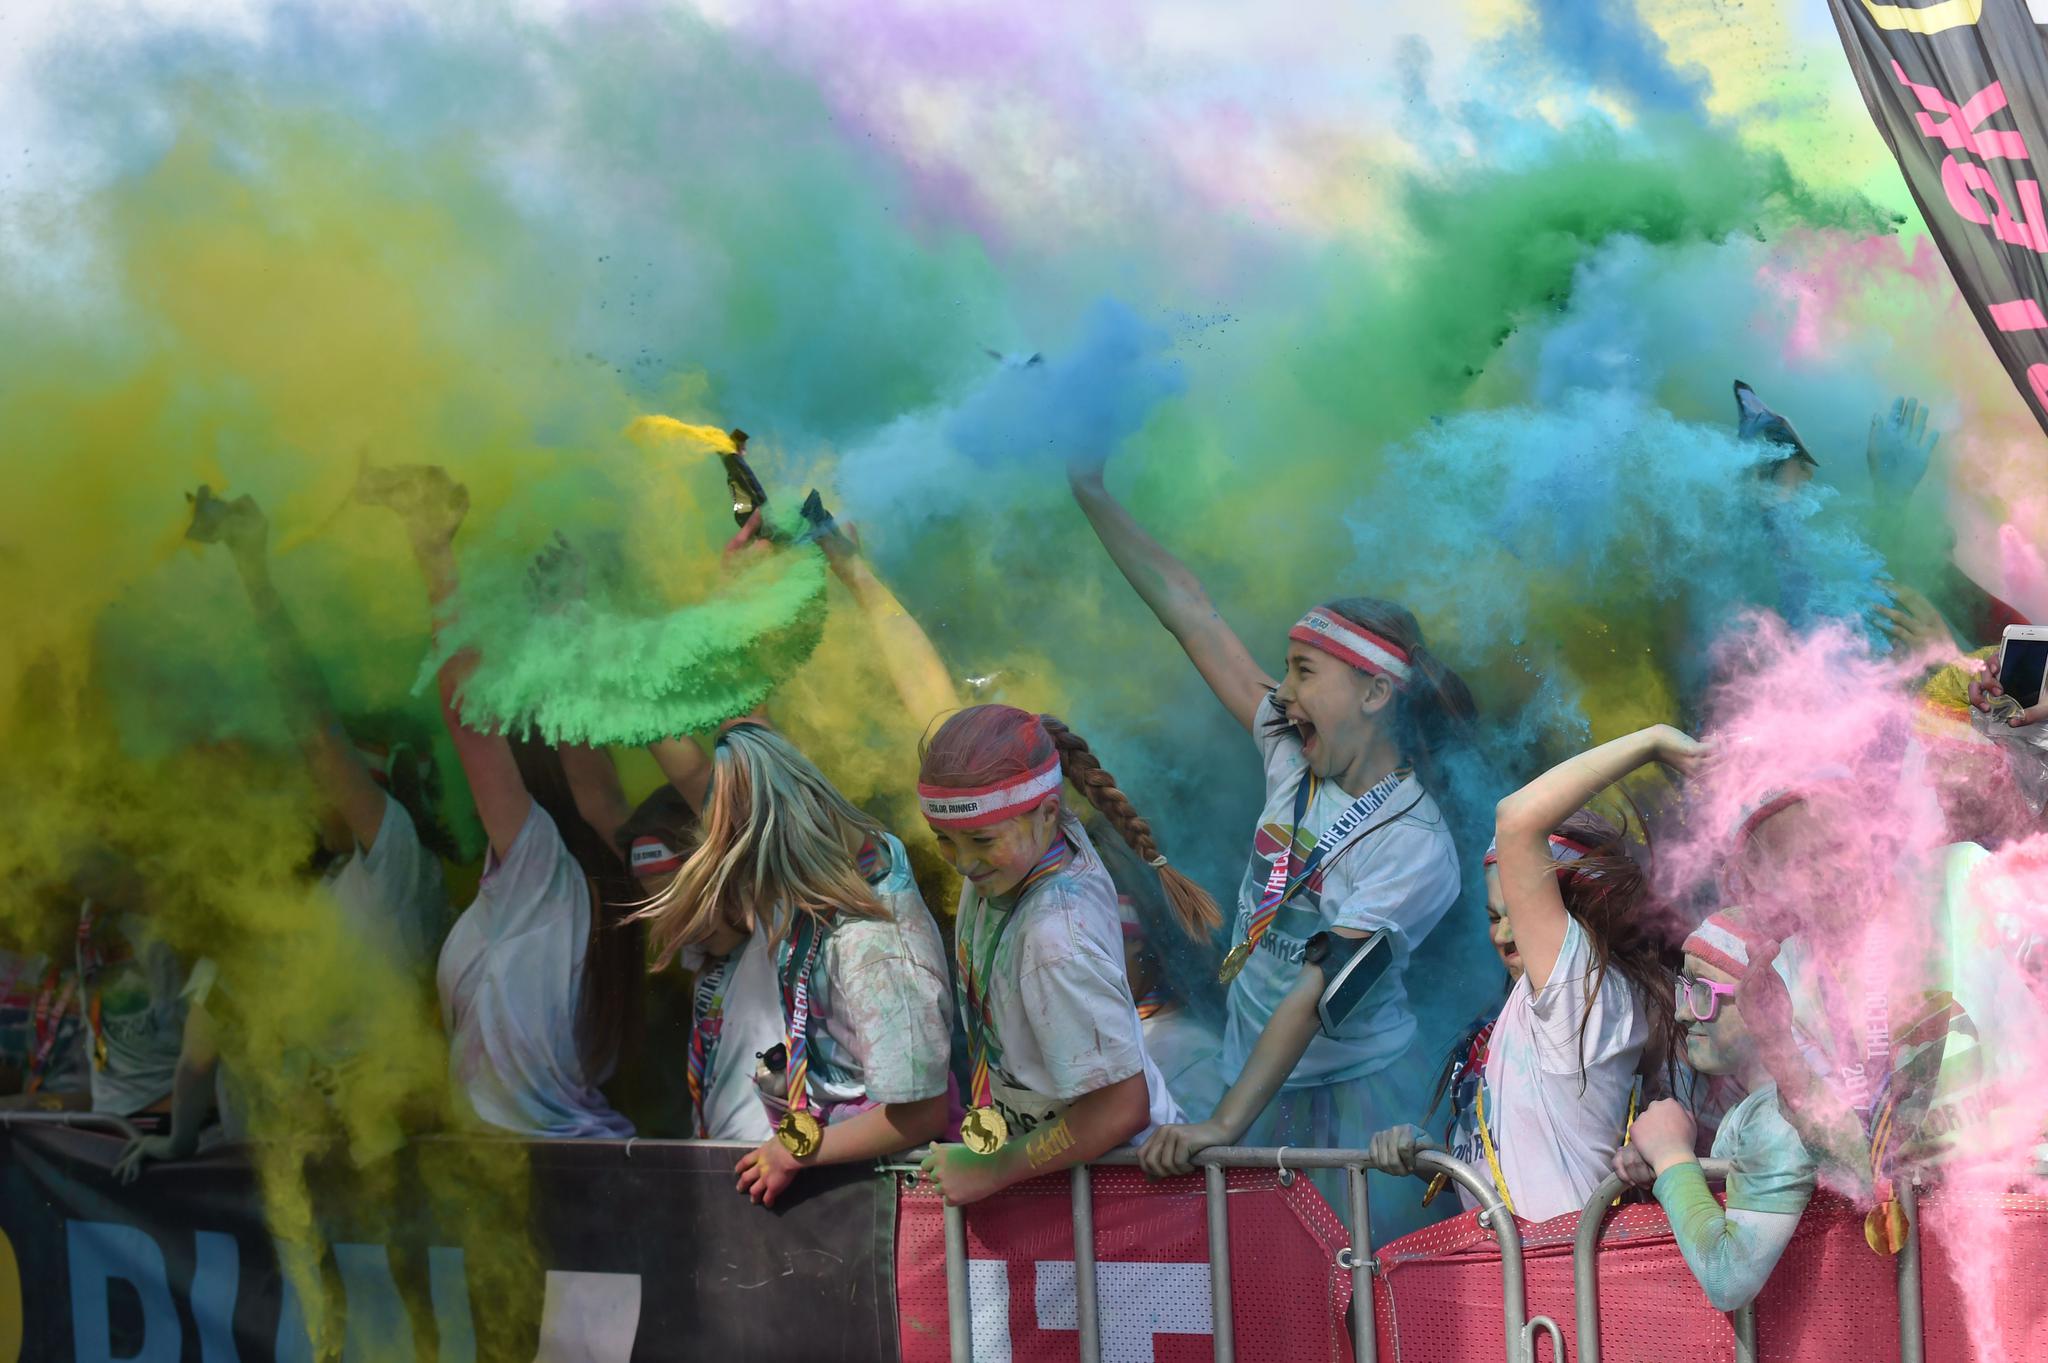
(1351, 966)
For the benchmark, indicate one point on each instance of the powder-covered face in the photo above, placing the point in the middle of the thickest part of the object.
(1499, 930)
(995, 857)
(1720, 1046)
(1333, 706)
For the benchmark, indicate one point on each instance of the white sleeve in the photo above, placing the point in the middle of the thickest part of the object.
(1080, 1011)
(1559, 1009)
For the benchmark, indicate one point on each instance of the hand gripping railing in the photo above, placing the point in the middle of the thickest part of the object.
(1519, 1329)
(90, 1121)
(1586, 1275)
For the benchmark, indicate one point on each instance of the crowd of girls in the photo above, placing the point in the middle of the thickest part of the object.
(833, 1017)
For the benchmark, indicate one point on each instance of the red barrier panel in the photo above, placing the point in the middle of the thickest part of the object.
(1152, 1261)
(1831, 1297)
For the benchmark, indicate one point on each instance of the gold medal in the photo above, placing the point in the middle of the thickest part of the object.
(1436, 1185)
(984, 1132)
(799, 1133)
(1234, 962)
(1884, 1229)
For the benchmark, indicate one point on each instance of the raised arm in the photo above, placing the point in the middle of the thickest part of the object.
(432, 506)
(1524, 821)
(1164, 583)
(594, 785)
(337, 769)
(914, 665)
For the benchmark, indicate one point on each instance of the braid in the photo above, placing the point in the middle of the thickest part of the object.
(1192, 905)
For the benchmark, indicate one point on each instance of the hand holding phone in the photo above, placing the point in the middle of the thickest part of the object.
(2022, 666)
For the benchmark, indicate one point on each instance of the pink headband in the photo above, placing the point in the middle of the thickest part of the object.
(653, 857)
(1561, 849)
(1353, 644)
(945, 807)
(1722, 943)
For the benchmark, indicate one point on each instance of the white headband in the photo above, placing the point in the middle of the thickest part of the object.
(948, 808)
(1348, 643)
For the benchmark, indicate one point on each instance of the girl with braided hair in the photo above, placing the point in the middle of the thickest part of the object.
(1060, 1071)
(1351, 854)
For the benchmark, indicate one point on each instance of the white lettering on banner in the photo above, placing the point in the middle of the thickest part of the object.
(589, 1318)
(1138, 1301)
(988, 1295)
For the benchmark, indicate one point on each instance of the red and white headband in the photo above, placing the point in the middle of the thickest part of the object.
(1722, 943)
(652, 857)
(1353, 644)
(1562, 849)
(945, 807)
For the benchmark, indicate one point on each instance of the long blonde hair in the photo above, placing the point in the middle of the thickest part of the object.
(777, 839)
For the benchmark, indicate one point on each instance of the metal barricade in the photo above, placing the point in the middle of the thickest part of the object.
(1519, 1332)
(1586, 1271)
(86, 1121)
(1586, 1275)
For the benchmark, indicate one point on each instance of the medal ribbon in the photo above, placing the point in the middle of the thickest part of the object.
(1283, 883)
(90, 962)
(973, 985)
(49, 1021)
(796, 1002)
(705, 1034)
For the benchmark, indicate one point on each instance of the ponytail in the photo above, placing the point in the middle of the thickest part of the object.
(1191, 904)
(984, 744)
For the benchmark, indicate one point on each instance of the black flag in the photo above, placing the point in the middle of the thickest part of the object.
(1959, 89)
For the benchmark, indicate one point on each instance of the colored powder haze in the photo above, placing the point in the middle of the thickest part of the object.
(1449, 316)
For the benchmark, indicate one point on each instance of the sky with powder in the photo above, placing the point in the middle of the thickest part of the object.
(1442, 304)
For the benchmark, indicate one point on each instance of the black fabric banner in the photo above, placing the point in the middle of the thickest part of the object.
(644, 1253)
(1959, 89)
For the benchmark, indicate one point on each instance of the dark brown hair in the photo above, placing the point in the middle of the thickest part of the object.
(1608, 893)
(609, 1005)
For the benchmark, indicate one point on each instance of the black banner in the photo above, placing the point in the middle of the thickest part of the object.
(642, 1253)
(1959, 89)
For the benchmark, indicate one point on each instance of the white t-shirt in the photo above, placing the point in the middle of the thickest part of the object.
(1189, 1052)
(881, 1013)
(741, 991)
(393, 894)
(1398, 872)
(1556, 1111)
(142, 1018)
(510, 978)
(1064, 1020)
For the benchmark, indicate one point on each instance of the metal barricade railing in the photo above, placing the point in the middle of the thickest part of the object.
(1519, 1329)
(1586, 1275)
(86, 1121)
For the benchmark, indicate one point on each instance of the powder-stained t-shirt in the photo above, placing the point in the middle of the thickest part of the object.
(1772, 1170)
(1398, 872)
(880, 1027)
(1557, 1109)
(141, 1017)
(510, 979)
(391, 895)
(1064, 1020)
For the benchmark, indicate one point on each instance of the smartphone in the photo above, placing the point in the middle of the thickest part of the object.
(1346, 981)
(2022, 663)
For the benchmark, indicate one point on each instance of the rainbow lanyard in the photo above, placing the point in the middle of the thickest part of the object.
(48, 1022)
(796, 1005)
(705, 1034)
(973, 985)
(1285, 882)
